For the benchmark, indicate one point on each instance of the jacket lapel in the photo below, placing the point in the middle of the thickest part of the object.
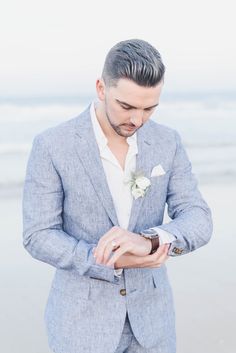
(88, 153)
(143, 164)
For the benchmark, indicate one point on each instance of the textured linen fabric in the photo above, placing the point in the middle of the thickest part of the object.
(129, 344)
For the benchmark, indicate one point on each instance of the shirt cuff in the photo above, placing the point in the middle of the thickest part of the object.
(118, 272)
(164, 236)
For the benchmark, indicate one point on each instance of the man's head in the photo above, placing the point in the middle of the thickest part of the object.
(135, 60)
(130, 86)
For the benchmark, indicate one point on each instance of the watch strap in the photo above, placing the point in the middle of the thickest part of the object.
(155, 244)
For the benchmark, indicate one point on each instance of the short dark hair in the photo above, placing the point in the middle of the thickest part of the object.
(134, 59)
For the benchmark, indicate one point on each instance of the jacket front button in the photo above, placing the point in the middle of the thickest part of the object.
(123, 291)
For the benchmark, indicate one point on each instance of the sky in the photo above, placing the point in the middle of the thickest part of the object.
(57, 48)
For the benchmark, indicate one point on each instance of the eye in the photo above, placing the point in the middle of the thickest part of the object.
(148, 109)
(125, 108)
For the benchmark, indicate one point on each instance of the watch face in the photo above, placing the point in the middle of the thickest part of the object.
(150, 233)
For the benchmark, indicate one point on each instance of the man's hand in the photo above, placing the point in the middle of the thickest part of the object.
(126, 242)
(157, 259)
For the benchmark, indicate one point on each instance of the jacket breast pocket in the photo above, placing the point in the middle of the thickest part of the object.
(161, 178)
(159, 184)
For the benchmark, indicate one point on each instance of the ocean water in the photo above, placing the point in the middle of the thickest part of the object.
(207, 125)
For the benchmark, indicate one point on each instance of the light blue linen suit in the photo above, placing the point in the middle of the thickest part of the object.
(67, 207)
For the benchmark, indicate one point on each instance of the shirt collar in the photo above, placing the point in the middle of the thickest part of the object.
(99, 134)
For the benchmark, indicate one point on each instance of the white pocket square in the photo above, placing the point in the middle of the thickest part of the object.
(157, 171)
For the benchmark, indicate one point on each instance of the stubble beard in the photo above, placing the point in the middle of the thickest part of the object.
(118, 129)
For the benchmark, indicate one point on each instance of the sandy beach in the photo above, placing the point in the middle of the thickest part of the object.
(203, 282)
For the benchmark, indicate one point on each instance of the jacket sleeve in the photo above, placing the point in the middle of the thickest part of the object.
(191, 222)
(43, 234)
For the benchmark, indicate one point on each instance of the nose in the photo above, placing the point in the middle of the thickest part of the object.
(137, 118)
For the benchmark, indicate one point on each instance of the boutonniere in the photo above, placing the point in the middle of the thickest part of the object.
(139, 184)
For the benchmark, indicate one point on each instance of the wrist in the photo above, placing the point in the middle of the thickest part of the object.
(148, 244)
(153, 236)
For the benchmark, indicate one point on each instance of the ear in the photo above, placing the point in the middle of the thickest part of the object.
(101, 88)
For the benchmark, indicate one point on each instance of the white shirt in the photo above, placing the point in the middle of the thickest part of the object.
(117, 177)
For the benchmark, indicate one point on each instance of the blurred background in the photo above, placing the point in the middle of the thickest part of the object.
(51, 54)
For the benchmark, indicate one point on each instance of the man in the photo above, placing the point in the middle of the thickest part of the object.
(94, 198)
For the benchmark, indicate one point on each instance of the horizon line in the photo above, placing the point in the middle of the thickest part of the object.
(73, 97)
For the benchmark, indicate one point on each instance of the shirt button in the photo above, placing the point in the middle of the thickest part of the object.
(123, 291)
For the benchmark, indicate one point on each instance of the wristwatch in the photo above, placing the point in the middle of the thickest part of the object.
(153, 236)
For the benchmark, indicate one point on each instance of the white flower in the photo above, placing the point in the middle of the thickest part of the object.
(142, 182)
(139, 185)
(136, 192)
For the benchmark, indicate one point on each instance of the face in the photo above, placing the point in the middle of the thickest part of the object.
(127, 106)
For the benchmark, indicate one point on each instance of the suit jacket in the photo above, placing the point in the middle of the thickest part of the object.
(67, 207)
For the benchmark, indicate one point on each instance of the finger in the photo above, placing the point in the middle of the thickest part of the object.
(152, 260)
(159, 264)
(123, 242)
(108, 234)
(160, 261)
(164, 250)
(109, 249)
(160, 251)
(122, 250)
(104, 240)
